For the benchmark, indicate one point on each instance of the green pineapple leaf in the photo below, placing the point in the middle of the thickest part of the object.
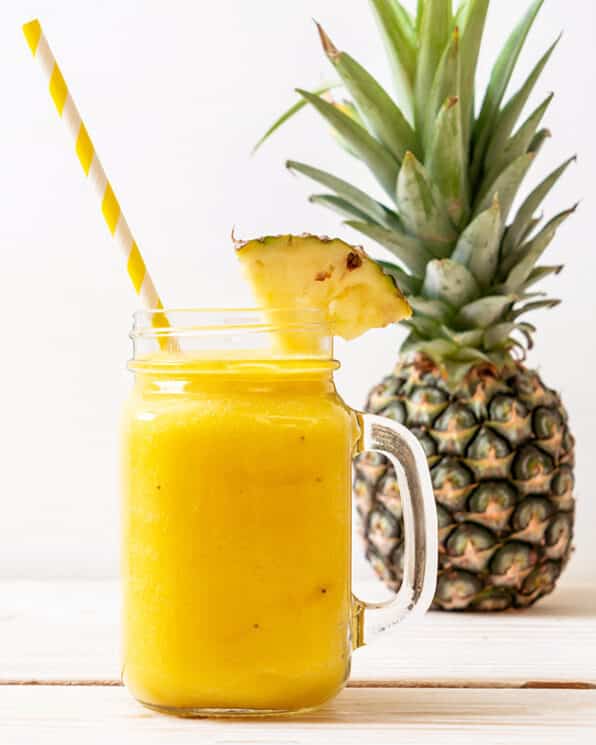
(436, 349)
(435, 309)
(445, 87)
(460, 14)
(419, 12)
(292, 111)
(339, 205)
(539, 139)
(518, 229)
(407, 283)
(520, 142)
(520, 264)
(410, 251)
(361, 201)
(421, 206)
(500, 77)
(435, 27)
(505, 186)
(470, 354)
(473, 18)
(510, 114)
(464, 338)
(405, 19)
(522, 296)
(423, 326)
(450, 282)
(529, 231)
(400, 41)
(536, 305)
(497, 335)
(484, 312)
(528, 331)
(478, 246)
(447, 162)
(539, 273)
(347, 108)
(515, 344)
(382, 116)
(381, 162)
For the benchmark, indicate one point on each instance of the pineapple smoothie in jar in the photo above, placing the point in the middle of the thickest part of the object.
(237, 466)
(237, 524)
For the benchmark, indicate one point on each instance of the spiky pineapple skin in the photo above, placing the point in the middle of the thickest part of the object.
(501, 457)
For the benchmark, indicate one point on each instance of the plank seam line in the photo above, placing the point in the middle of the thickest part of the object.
(370, 684)
(478, 685)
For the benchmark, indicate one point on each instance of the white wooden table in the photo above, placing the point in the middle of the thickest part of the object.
(515, 678)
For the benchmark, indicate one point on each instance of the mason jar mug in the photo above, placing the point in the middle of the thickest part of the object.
(236, 560)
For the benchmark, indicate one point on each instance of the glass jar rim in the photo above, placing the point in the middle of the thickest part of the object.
(239, 337)
(180, 322)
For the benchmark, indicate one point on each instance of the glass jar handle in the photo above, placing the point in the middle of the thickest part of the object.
(416, 593)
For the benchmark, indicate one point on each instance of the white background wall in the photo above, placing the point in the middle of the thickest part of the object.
(175, 94)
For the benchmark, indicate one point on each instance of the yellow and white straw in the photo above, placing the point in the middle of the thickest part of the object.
(115, 220)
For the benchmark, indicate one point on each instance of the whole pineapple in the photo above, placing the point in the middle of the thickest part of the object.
(496, 437)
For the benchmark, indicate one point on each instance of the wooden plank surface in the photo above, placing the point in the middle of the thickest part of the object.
(69, 715)
(68, 631)
(504, 678)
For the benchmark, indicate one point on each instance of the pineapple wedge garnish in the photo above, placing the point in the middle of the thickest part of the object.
(289, 271)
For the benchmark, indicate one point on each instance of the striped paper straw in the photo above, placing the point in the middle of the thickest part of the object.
(89, 160)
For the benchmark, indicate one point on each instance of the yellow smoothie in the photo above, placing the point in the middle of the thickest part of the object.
(237, 525)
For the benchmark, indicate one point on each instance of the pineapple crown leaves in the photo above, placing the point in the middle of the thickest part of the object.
(465, 259)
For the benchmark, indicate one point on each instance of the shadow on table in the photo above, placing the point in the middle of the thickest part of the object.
(567, 602)
(446, 710)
